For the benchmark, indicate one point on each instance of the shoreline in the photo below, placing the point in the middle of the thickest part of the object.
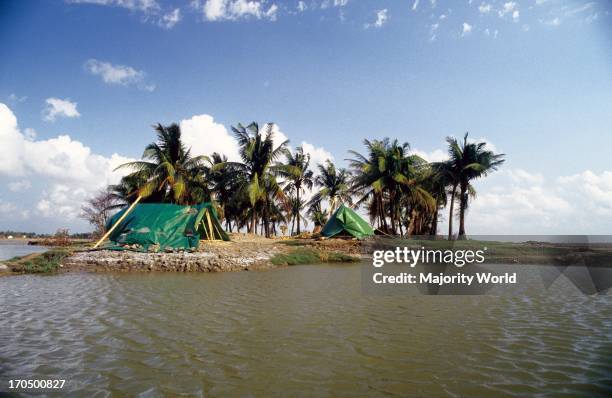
(253, 253)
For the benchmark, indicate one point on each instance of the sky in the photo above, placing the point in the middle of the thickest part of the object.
(83, 81)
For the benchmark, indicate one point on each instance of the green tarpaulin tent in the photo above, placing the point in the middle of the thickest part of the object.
(345, 221)
(160, 226)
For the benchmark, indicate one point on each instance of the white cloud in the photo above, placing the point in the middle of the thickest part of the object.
(466, 30)
(340, 3)
(57, 107)
(508, 8)
(170, 19)
(118, 74)
(516, 201)
(20, 185)
(219, 10)
(515, 15)
(522, 176)
(415, 5)
(382, 16)
(146, 6)
(301, 6)
(151, 10)
(318, 155)
(484, 8)
(59, 161)
(433, 3)
(206, 136)
(436, 155)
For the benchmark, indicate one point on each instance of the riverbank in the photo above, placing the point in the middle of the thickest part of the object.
(249, 252)
(243, 253)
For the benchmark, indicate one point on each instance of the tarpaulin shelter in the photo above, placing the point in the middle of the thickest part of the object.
(160, 226)
(345, 221)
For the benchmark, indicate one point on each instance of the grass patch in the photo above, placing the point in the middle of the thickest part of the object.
(42, 263)
(311, 256)
(294, 242)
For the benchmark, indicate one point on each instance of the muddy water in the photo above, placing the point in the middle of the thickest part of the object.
(301, 331)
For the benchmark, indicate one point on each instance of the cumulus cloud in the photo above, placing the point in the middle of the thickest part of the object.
(415, 5)
(64, 164)
(466, 29)
(220, 10)
(318, 155)
(57, 107)
(118, 74)
(206, 136)
(382, 16)
(437, 155)
(517, 201)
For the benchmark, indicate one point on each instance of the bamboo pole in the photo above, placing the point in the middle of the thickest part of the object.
(205, 229)
(218, 232)
(210, 227)
(110, 231)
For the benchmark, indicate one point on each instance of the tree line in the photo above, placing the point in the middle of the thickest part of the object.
(265, 192)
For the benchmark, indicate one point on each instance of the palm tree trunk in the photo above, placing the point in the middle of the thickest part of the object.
(450, 213)
(297, 196)
(434, 223)
(463, 198)
(253, 225)
(292, 224)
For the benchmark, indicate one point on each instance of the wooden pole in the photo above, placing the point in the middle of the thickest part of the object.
(205, 229)
(210, 227)
(110, 231)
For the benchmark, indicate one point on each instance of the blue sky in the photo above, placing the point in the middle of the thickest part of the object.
(532, 77)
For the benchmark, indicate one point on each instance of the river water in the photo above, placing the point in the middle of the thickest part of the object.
(12, 248)
(299, 331)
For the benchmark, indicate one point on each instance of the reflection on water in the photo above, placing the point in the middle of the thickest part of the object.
(301, 331)
(10, 249)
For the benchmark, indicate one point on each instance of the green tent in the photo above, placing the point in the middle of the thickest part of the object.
(165, 226)
(346, 221)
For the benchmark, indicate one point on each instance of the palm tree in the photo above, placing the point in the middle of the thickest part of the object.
(168, 170)
(297, 177)
(258, 153)
(317, 215)
(389, 176)
(468, 161)
(333, 186)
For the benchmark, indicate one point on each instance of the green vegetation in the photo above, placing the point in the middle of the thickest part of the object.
(264, 192)
(42, 263)
(305, 255)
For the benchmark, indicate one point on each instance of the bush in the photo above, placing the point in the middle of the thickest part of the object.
(46, 262)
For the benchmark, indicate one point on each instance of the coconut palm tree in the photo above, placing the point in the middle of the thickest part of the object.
(258, 153)
(317, 215)
(468, 161)
(297, 178)
(388, 176)
(168, 170)
(334, 186)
